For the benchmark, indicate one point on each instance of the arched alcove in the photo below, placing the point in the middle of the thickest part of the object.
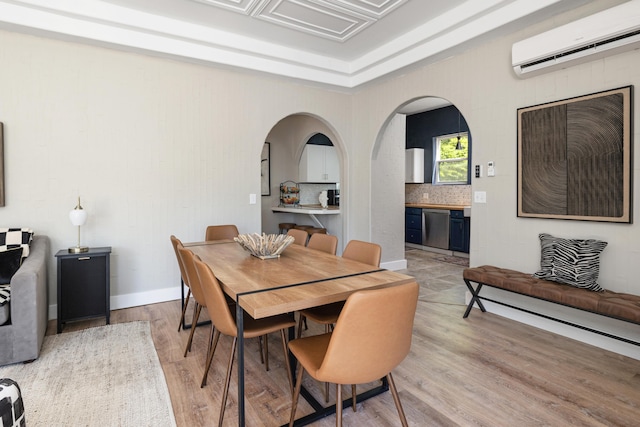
(287, 140)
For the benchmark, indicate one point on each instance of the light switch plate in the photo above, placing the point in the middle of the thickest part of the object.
(480, 197)
(252, 199)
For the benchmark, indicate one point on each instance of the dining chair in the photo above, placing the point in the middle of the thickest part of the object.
(224, 321)
(327, 315)
(371, 337)
(221, 232)
(300, 236)
(194, 283)
(323, 242)
(176, 243)
(357, 250)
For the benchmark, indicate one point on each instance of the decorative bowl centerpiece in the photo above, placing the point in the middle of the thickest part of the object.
(264, 246)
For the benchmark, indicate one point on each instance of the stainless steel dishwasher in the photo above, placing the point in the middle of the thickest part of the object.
(435, 229)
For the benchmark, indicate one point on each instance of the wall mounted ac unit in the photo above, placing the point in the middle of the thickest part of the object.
(605, 33)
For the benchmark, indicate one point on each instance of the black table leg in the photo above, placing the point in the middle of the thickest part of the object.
(240, 326)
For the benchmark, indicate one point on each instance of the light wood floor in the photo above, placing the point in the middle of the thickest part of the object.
(480, 371)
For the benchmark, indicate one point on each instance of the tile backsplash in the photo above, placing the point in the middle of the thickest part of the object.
(438, 194)
(310, 193)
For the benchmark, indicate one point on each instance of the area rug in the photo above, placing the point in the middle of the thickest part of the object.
(104, 376)
(463, 262)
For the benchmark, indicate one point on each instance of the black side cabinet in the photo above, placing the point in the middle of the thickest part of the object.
(413, 225)
(83, 285)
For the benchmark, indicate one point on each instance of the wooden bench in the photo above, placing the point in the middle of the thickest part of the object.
(616, 305)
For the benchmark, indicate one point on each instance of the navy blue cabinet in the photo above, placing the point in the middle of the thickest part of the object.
(413, 225)
(459, 232)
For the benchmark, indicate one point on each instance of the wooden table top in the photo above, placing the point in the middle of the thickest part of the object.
(300, 278)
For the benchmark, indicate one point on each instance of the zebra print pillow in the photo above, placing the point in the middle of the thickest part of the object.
(547, 251)
(571, 261)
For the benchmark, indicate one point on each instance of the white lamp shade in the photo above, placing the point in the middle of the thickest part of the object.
(78, 217)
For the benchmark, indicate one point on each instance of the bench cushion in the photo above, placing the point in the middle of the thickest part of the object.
(613, 304)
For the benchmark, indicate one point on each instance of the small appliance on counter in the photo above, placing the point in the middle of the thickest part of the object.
(334, 197)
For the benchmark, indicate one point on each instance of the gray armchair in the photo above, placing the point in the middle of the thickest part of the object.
(22, 337)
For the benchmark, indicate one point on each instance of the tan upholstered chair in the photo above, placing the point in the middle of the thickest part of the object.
(183, 277)
(194, 284)
(221, 232)
(323, 242)
(327, 315)
(365, 252)
(371, 337)
(224, 321)
(300, 236)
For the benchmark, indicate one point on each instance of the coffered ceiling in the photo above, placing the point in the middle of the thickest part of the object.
(341, 43)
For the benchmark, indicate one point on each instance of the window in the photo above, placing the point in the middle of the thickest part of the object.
(450, 165)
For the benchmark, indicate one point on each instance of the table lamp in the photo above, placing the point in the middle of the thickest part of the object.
(78, 217)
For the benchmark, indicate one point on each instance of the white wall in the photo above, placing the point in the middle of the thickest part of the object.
(387, 184)
(481, 83)
(157, 147)
(154, 147)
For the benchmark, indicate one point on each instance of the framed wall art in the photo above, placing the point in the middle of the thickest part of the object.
(574, 158)
(265, 169)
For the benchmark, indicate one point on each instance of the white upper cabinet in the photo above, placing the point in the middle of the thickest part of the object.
(319, 163)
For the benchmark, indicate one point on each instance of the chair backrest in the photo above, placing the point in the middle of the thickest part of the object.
(192, 275)
(300, 236)
(323, 242)
(217, 305)
(365, 252)
(372, 335)
(221, 232)
(178, 244)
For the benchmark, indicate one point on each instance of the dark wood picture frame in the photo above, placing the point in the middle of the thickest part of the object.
(1, 164)
(574, 158)
(265, 169)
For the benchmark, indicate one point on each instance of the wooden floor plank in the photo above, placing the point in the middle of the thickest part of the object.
(484, 370)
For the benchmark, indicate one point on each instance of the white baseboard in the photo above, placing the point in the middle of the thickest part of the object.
(400, 264)
(133, 300)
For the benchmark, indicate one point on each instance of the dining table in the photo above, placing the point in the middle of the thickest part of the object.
(299, 278)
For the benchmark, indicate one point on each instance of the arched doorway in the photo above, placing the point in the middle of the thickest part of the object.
(287, 140)
(406, 128)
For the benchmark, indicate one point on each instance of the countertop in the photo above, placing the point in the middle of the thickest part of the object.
(435, 206)
(308, 209)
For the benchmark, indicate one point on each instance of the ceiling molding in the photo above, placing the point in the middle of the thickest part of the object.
(105, 23)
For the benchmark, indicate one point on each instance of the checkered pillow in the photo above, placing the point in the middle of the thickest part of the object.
(11, 238)
(5, 294)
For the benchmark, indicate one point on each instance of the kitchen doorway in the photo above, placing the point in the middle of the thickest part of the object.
(391, 195)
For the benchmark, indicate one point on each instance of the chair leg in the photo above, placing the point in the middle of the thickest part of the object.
(184, 309)
(196, 309)
(396, 399)
(261, 350)
(338, 405)
(286, 359)
(227, 381)
(266, 352)
(353, 397)
(296, 394)
(212, 349)
(300, 321)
